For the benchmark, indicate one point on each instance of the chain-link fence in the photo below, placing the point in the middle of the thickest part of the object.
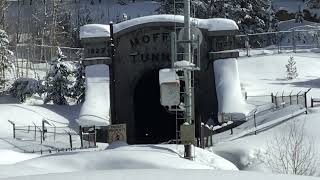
(33, 61)
(282, 101)
(48, 137)
(277, 42)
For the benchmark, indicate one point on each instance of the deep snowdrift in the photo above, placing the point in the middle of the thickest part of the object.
(118, 157)
(161, 174)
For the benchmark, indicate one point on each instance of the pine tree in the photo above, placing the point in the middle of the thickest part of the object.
(78, 90)
(250, 15)
(291, 69)
(6, 63)
(59, 81)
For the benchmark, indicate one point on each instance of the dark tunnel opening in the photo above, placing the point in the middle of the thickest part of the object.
(153, 123)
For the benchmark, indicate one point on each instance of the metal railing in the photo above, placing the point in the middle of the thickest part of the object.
(54, 138)
(278, 101)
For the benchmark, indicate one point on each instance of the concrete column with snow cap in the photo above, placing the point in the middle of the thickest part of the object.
(96, 108)
(228, 87)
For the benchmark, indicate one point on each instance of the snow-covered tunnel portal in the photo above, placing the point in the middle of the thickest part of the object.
(142, 48)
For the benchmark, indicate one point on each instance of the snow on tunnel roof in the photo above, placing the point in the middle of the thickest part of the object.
(100, 30)
(94, 30)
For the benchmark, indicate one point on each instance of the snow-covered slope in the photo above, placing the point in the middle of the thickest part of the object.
(117, 156)
(24, 115)
(262, 75)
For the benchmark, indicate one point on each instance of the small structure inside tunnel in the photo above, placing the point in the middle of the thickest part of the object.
(142, 49)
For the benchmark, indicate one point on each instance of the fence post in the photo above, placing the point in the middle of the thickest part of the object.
(290, 97)
(255, 123)
(293, 41)
(279, 42)
(247, 45)
(311, 102)
(272, 98)
(95, 136)
(318, 36)
(54, 133)
(81, 138)
(282, 99)
(43, 138)
(13, 128)
(70, 140)
(305, 102)
(35, 133)
(298, 97)
(276, 100)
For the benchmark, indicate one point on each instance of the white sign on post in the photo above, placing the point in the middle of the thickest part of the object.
(117, 132)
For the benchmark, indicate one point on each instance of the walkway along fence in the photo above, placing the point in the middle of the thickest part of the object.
(279, 102)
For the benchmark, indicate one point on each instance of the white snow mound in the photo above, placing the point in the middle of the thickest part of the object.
(228, 87)
(96, 108)
(99, 30)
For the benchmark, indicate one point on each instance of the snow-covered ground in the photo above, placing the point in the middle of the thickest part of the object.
(257, 74)
(262, 75)
(246, 152)
(266, 74)
(118, 156)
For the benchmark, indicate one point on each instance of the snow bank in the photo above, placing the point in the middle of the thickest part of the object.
(228, 88)
(96, 108)
(123, 157)
(214, 24)
(24, 115)
(272, 77)
(160, 174)
(11, 157)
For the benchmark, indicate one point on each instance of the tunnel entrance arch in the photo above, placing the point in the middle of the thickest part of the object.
(153, 123)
